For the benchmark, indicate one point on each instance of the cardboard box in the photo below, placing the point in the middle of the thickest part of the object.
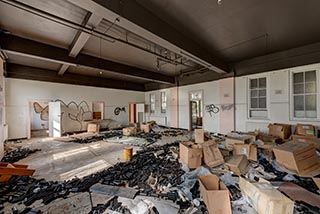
(211, 155)
(145, 127)
(237, 164)
(129, 131)
(237, 138)
(248, 150)
(225, 152)
(191, 154)
(254, 135)
(282, 131)
(269, 138)
(267, 149)
(305, 129)
(199, 136)
(93, 128)
(298, 157)
(215, 195)
(264, 198)
(316, 181)
(307, 139)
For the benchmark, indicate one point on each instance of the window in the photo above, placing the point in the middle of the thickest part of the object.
(163, 102)
(304, 94)
(152, 103)
(258, 98)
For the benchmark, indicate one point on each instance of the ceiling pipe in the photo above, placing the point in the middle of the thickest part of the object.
(76, 26)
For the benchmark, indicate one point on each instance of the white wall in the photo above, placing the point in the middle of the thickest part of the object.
(179, 117)
(2, 110)
(20, 92)
(278, 99)
(220, 93)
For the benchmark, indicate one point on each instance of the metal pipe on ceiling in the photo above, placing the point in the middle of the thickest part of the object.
(77, 26)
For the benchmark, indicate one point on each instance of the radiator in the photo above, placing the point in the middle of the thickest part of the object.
(255, 125)
(160, 120)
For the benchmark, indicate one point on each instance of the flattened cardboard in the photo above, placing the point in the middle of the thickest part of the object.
(308, 139)
(199, 136)
(237, 164)
(305, 129)
(264, 198)
(298, 157)
(297, 193)
(282, 131)
(191, 154)
(248, 150)
(211, 155)
(215, 195)
(129, 131)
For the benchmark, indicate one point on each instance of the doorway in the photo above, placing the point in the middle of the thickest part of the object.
(136, 113)
(196, 109)
(38, 118)
(98, 110)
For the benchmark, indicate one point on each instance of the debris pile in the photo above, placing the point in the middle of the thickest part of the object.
(152, 171)
(17, 154)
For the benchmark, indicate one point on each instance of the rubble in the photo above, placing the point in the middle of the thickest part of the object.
(17, 154)
(155, 172)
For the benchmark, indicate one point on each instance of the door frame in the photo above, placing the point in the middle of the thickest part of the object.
(30, 107)
(189, 108)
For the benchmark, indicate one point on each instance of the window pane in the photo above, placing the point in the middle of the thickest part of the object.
(310, 76)
(253, 83)
(311, 102)
(254, 102)
(311, 114)
(298, 77)
(254, 93)
(262, 93)
(298, 102)
(262, 103)
(298, 88)
(311, 87)
(262, 82)
(299, 114)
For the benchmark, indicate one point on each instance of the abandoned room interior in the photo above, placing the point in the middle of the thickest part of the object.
(159, 107)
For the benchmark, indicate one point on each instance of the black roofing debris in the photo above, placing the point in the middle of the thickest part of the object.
(153, 171)
(17, 154)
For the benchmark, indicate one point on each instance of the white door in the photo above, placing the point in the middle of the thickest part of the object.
(54, 119)
(140, 112)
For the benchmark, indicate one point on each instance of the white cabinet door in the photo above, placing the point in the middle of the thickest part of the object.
(54, 119)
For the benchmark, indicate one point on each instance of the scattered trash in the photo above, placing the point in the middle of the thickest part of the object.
(18, 154)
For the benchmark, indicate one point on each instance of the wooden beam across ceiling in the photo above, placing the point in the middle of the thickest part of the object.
(137, 19)
(32, 73)
(18, 45)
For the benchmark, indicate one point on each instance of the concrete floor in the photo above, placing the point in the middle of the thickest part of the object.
(59, 160)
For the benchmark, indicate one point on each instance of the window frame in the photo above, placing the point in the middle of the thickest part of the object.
(163, 110)
(291, 92)
(267, 109)
(152, 103)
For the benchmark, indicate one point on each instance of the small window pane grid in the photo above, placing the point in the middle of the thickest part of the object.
(305, 94)
(163, 102)
(152, 103)
(258, 97)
